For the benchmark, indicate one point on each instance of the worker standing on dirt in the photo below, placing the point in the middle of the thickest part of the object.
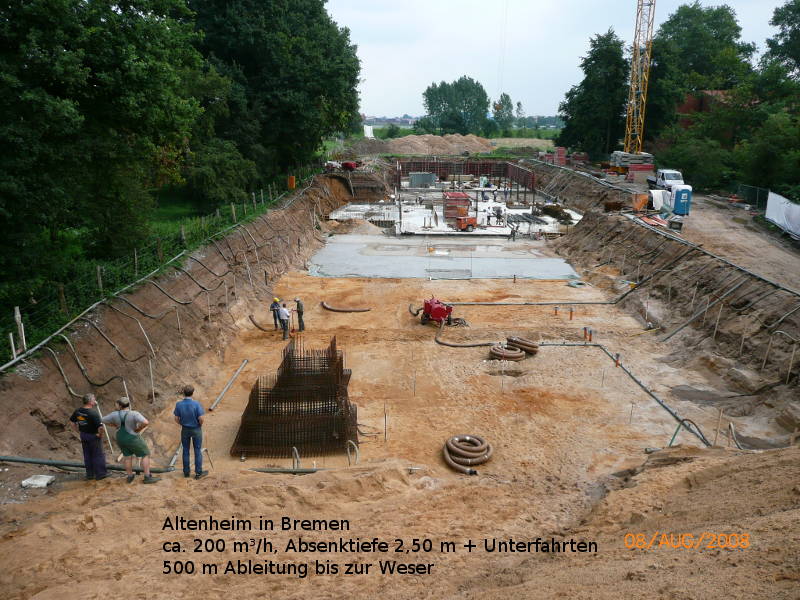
(274, 307)
(301, 326)
(86, 421)
(284, 315)
(189, 415)
(130, 424)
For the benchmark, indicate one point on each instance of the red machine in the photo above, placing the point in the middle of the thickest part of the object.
(466, 223)
(435, 310)
(350, 165)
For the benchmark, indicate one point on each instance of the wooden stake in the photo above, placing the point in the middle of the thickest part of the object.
(716, 431)
(62, 298)
(233, 212)
(20, 328)
(135, 263)
(183, 236)
(160, 251)
(13, 348)
(716, 325)
(152, 380)
(100, 278)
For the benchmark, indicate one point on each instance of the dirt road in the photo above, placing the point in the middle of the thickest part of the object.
(730, 232)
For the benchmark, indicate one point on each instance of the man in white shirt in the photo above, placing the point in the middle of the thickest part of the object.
(284, 315)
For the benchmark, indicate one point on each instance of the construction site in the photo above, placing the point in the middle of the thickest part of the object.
(501, 377)
(616, 379)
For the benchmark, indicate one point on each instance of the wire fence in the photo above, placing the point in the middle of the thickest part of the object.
(754, 196)
(96, 280)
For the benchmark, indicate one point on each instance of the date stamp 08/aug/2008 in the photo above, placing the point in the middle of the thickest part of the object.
(665, 540)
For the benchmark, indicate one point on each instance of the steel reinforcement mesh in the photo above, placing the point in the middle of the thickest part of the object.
(304, 405)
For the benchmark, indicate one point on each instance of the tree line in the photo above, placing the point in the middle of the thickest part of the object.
(106, 105)
(463, 106)
(747, 128)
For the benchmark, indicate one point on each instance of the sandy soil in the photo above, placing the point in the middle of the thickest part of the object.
(522, 142)
(569, 431)
(424, 145)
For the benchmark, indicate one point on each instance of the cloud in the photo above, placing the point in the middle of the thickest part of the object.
(404, 46)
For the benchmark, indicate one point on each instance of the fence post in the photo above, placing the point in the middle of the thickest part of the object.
(20, 328)
(62, 299)
(254, 201)
(233, 212)
(13, 348)
(218, 212)
(262, 195)
(160, 251)
(100, 278)
(135, 263)
(183, 236)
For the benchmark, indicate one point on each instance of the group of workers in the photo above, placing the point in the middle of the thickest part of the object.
(188, 413)
(281, 315)
(129, 424)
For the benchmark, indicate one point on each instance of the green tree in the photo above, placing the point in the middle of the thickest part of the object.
(704, 162)
(425, 125)
(593, 111)
(294, 74)
(519, 116)
(697, 48)
(457, 107)
(503, 114)
(392, 131)
(771, 157)
(706, 45)
(785, 45)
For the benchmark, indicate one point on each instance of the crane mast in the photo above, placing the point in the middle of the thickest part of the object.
(640, 74)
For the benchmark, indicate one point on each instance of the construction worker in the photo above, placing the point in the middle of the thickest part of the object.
(284, 315)
(86, 421)
(274, 307)
(301, 326)
(129, 424)
(189, 415)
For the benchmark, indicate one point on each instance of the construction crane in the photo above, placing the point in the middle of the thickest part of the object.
(640, 74)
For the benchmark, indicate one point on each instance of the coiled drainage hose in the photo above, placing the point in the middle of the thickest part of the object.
(461, 452)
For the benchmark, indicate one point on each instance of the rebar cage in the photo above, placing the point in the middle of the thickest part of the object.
(304, 405)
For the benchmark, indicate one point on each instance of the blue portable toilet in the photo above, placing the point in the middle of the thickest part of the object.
(681, 199)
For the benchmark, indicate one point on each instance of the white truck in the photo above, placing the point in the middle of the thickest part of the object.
(665, 179)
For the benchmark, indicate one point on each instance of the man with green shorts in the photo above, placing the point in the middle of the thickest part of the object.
(129, 424)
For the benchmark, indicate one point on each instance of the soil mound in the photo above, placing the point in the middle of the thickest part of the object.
(357, 226)
(423, 144)
(435, 144)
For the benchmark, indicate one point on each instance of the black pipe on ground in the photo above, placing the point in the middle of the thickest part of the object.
(75, 464)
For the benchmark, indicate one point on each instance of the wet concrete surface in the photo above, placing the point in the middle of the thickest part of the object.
(418, 257)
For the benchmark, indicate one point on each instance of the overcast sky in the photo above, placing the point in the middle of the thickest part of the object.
(405, 45)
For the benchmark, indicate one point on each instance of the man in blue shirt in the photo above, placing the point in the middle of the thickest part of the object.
(189, 415)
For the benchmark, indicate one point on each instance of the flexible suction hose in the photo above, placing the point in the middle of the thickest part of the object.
(327, 306)
(454, 345)
(461, 452)
(501, 352)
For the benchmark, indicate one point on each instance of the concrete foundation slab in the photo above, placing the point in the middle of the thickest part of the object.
(366, 256)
